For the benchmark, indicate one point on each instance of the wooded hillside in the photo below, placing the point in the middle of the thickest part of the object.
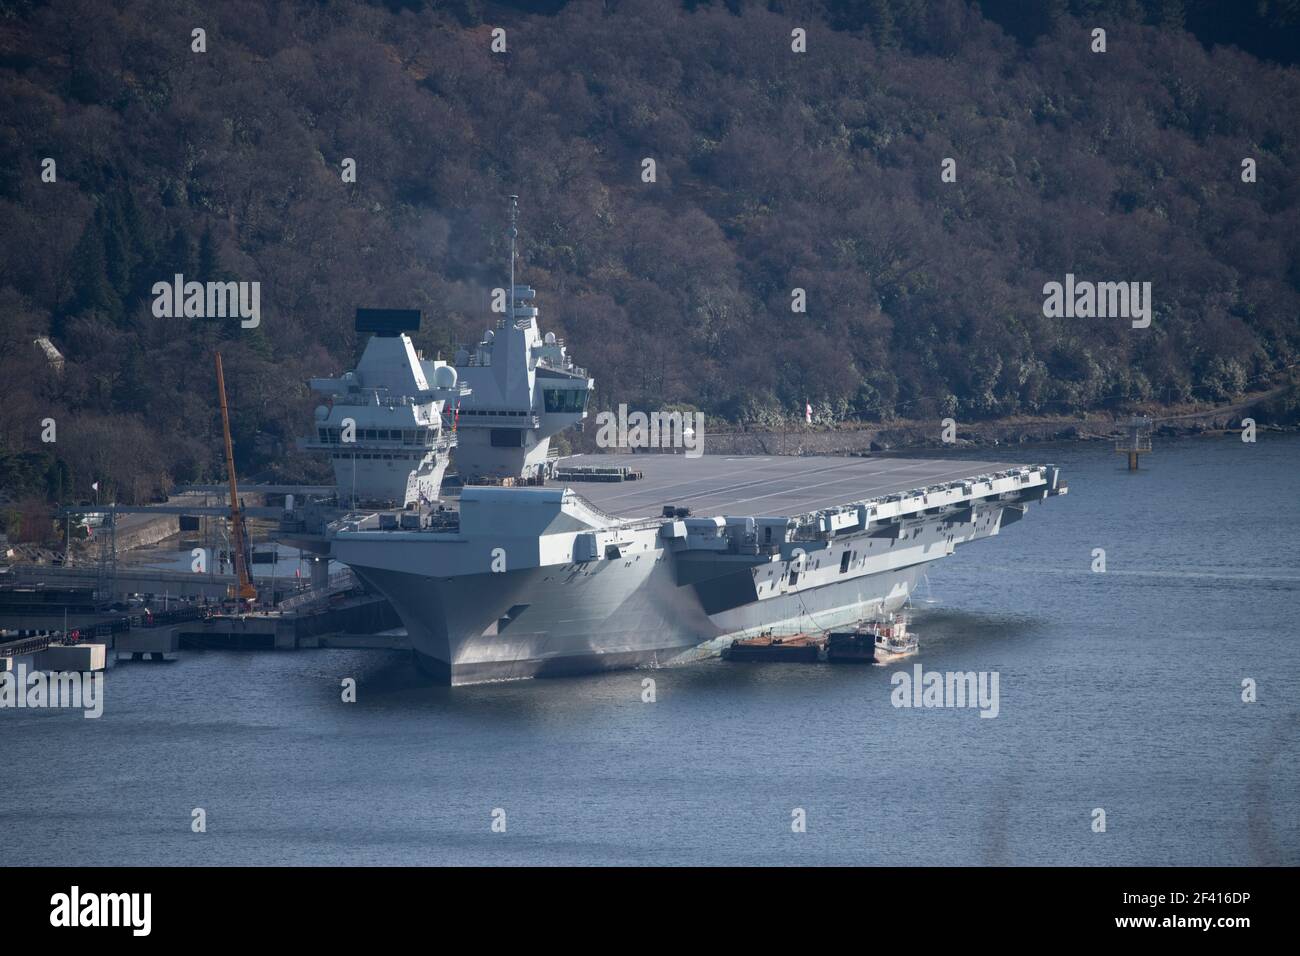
(775, 170)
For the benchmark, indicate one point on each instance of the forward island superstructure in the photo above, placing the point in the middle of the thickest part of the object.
(524, 389)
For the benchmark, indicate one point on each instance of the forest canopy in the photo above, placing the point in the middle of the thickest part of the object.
(775, 170)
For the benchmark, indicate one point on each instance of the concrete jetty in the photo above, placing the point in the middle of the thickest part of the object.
(43, 654)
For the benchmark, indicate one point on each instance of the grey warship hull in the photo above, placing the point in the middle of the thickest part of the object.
(533, 582)
(613, 617)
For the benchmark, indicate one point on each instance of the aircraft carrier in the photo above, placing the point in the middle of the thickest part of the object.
(545, 565)
(525, 582)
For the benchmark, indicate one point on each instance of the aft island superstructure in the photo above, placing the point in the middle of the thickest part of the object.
(382, 424)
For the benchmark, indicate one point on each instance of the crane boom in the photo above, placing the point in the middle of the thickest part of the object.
(244, 590)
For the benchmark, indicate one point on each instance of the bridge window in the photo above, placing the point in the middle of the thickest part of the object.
(507, 438)
(567, 401)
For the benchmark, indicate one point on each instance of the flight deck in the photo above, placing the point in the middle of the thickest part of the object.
(761, 485)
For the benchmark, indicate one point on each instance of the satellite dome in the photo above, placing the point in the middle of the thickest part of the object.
(489, 335)
(549, 338)
(444, 376)
(322, 413)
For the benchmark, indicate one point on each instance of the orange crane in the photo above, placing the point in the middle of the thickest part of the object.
(244, 590)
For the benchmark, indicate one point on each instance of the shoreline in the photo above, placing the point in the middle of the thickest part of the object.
(1270, 409)
(912, 436)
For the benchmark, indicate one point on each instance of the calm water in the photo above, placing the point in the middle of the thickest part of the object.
(1119, 690)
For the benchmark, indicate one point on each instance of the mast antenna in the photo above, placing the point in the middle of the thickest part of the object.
(514, 234)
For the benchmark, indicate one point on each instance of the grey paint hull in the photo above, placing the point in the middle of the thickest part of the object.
(546, 622)
(532, 582)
